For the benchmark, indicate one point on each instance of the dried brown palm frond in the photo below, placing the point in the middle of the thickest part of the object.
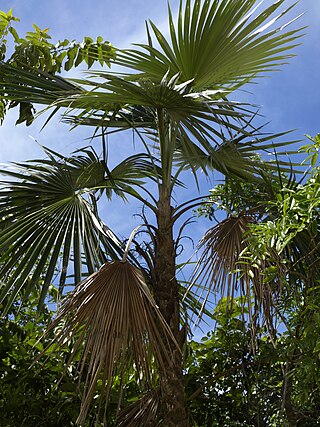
(219, 268)
(222, 269)
(112, 314)
(142, 413)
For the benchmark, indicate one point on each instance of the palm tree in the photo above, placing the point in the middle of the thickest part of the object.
(175, 96)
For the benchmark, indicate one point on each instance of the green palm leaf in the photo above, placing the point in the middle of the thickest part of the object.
(217, 44)
(47, 217)
(244, 154)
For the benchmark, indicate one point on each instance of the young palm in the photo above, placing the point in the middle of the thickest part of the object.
(175, 96)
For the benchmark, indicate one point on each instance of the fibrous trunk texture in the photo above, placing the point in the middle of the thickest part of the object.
(166, 291)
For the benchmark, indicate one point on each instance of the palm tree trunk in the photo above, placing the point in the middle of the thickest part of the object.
(166, 291)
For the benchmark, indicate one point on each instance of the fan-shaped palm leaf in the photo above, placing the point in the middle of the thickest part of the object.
(193, 125)
(215, 44)
(243, 154)
(235, 259)
(220, 268)
(47, 218)
(114, 312)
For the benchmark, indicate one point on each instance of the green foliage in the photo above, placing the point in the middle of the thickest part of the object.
(230, 385)
(282, 248)
(283, 236)
(238, 388)
(31, 394)
(37, 50)
(6, 20)
(300, 347)
(312, 149)
(235, 197)
(287, 238)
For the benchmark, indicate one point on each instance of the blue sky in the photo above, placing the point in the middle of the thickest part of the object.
(289, 99)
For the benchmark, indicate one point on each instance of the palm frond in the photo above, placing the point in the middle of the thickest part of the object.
(47, 219)
(246, 154)
(114, 313)
(142, 413)
(219, 268)
(133, 172)
(216, 44)
(33, 85)
(192, 121)
(224, 269)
